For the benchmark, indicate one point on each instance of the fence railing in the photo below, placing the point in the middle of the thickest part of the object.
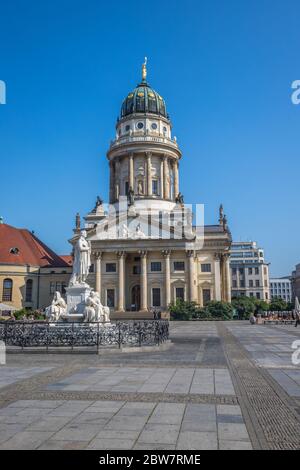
(32, 334)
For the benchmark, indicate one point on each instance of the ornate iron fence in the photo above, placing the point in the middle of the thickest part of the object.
(118, 334)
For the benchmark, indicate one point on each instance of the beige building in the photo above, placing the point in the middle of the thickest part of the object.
(146, 251)
(30, 272)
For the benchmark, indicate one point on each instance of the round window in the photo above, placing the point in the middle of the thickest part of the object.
(154, 125)
(127, 128)
(165, 129)
(140, 125)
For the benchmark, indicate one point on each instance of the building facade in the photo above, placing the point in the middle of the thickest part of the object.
(30, 272)
(249, 271)
(295, 279)
(146, 251)
(281, 288)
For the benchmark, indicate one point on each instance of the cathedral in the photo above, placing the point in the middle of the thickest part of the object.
(147, 250)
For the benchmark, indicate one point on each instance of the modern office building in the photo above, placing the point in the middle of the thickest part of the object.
(281, 288)
(249, 271)
(295, 280)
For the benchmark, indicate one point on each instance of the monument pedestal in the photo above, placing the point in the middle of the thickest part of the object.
(76, 302)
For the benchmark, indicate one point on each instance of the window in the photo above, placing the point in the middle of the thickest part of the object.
(242, 283)
(111, 267)
(28, 295)
(256, 271)
(257, 283)
(92, 268)
(7, 290)
(156, 297)
(155, 187)
(179, 293)
(127, 128)
(234, 271)
(206, 296)
(250, 283)
(265, 270)
(110, 295)
(178, 265)
(126, 188)
(258, 295)
(234, 283)
(136, 270)
(241, 271)
(250, 271)
(266, 295)
(52, 287)
(156, 266)
(251, 294)
(140, 125)
(205, 268)
(154, 125)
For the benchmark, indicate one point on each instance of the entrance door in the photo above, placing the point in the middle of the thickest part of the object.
(136, 298)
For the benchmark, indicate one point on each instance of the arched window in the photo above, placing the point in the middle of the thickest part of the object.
(28, 295)
(7, 290)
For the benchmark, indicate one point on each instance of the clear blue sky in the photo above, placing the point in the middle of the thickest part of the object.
(225, 69)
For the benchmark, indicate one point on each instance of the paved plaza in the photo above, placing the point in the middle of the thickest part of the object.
(221, 385)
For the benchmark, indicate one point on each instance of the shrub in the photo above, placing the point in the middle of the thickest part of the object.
(218, 309)
(245, 306)
(182, 310)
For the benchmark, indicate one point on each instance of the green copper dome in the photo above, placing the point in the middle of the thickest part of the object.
(143, 99)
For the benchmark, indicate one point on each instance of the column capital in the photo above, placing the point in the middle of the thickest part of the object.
(121, 254)
(97, 254)
(225, 256)
(166, 253)
(143, 253)
(148, 154)
(217, 256)
(190, 253)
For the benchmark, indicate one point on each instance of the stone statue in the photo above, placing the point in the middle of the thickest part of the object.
(138, 232)
(125, 232)
(99, 201)
(94, 311)
(179, 199)
(130, 196)
(57, 308)
(82, 260)
(140, 187)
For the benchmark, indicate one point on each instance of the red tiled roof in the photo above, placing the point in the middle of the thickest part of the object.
(68, 259)
(30, 250)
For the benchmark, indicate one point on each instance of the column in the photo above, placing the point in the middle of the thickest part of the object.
(111, 182)
(121, 265)
(166, 254)
(162, 178)
(223, 276)
(149, 174)
(117, 180)
(98, 257)
(217, 276)
(176, 182)
(166, 178)
(191, 271)
(131, 172)
(144, 286)
(228, 280)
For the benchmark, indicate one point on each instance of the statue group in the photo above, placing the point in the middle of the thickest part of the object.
(89, 307)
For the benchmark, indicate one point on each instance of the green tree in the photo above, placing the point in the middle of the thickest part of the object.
(218, 309)
(278, 305)
(245, 306)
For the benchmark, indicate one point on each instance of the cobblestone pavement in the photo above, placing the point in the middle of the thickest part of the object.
(215, 388)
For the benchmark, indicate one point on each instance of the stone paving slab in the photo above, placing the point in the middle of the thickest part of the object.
(179, 380)
(123, 425)
(11, 375)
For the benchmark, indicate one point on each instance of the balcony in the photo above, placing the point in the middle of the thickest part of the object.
(143, 138)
